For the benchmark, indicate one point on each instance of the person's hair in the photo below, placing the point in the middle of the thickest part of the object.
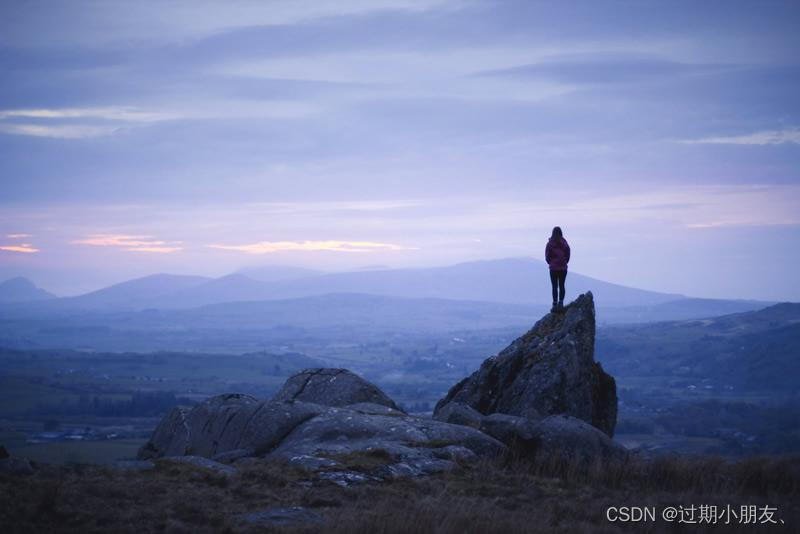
(557, 233)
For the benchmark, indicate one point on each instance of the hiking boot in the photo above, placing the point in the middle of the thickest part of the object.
(554, 308)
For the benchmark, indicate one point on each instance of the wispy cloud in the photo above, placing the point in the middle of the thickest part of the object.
(108, 113)
(18, 236)
(76, 123)
(266, 247)
(768, 137)
(22, 247)
(133, 243)
(66, 131)
(80, 123)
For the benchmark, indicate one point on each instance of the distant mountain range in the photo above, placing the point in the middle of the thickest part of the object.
(512, 281)
(21, 289)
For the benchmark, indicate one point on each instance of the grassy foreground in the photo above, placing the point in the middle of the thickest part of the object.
(502, 495)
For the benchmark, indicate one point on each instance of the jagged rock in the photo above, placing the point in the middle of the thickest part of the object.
(332, 387)
(562, 434)
(549, 370)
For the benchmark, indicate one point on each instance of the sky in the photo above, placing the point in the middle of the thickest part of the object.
(203, 137)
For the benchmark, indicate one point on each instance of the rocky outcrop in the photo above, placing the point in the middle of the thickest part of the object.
(346, 430)
(228, 428)
(548, 371)
(542, 395)
(332, 387)
(550, 436)
(233, 424)
(557, 435)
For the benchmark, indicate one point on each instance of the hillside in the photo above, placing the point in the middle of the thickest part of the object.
(753, 351)
(132, 293)
(21, 289)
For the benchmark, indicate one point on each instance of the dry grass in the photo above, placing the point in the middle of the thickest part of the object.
(505, 495)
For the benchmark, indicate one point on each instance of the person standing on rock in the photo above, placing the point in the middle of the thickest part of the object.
(556, 254)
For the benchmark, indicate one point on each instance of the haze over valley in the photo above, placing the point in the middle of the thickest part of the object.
(413, 332)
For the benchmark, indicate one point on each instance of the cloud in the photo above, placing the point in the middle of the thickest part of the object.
(18, 236)
(61, 123)
(22, 247)
(80, 123)
(163, 250)
(768, 137)
(108, 113)
(68, 131)
(133, 243)
(266, 247)
(605, 68)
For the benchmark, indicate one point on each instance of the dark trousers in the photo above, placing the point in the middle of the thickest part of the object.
(557, 279)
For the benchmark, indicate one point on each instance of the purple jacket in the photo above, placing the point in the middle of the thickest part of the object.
(556, 253)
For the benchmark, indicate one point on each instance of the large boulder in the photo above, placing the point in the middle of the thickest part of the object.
(346, 430)
(231, 427)
(555, 435)
(331, 387)
(170, 437)
(224, 424)
(558, 435)
(548, 371)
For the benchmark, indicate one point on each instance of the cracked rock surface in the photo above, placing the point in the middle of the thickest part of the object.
(548, 371)
(332, 387)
